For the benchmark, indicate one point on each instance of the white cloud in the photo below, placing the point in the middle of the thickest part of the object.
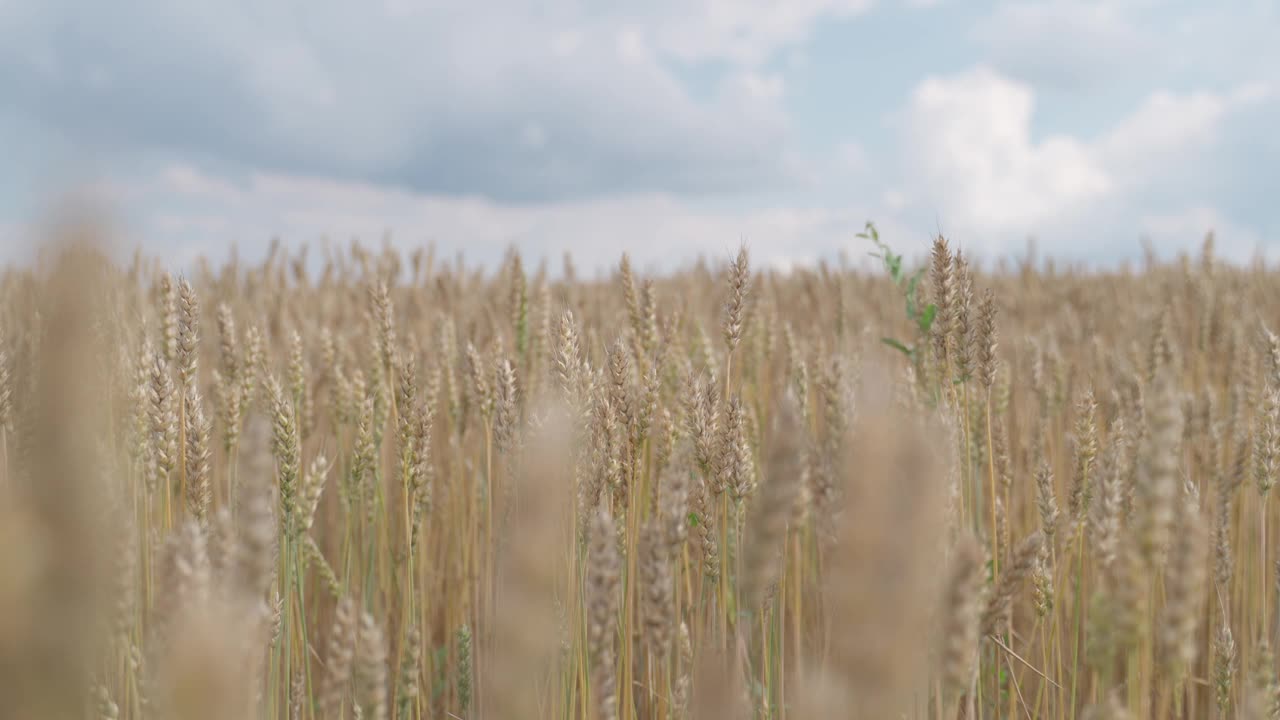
(969, 137)
(1167, 122)
(1100, 46)
(186, 180)
(973, 152)
(895, 200)
(1064, 43)
(565, 43)
(659, 230)
(746, 32)
(758, 86)
(632, 46)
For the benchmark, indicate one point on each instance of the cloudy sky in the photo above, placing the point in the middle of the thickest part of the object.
(667, 128)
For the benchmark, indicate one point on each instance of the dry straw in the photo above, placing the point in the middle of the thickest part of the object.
(375, 486)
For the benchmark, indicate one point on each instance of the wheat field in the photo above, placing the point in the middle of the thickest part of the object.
(405, 487)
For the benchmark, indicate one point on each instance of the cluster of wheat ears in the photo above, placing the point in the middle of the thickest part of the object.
(408, 488)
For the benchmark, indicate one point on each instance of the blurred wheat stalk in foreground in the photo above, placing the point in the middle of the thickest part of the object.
(419, 490)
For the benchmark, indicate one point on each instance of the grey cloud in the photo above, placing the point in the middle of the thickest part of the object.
(515, 104)
(1088, 46)
(1066, 45)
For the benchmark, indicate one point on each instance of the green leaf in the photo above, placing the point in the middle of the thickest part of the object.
(926, 317)
(693, 519)
(892, 263)
(895, 267)
(912, 286)
(895, 344)
(915, 279)
(869, 232)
